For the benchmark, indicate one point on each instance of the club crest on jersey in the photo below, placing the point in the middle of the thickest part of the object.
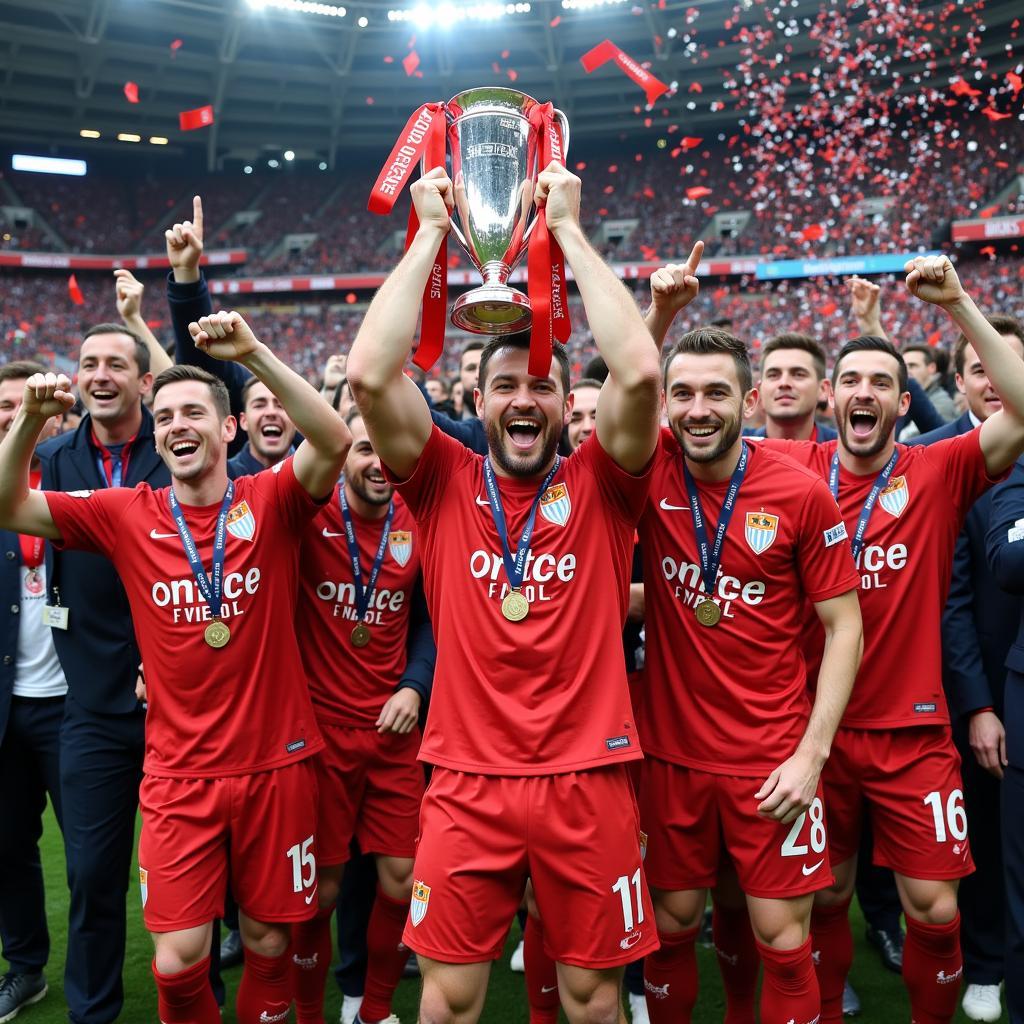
(144, 884)
(895, 496)
(555, 505)
(400, 546)
(760, 530)
(420, 899)
(241, 523)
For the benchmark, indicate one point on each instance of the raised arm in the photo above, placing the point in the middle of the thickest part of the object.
(22, 509)
(321, 456)
(933, 279)
(790, 789)
(394, 410)
(128, 292)
(629, 406)
(673, 287)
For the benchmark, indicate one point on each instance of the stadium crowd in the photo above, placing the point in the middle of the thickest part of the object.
(133, 675)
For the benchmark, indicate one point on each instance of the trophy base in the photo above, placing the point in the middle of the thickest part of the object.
(492, 309)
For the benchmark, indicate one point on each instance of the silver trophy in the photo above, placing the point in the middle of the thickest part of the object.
(492, 155)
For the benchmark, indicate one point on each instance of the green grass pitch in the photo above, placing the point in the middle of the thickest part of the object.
(882, 994)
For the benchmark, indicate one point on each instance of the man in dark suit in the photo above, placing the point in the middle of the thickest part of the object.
(977, 625)
(102, 731)
(32, 689)
(1006, 560)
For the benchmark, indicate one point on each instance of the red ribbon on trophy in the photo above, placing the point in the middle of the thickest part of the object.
(423, 137)
(545, 263)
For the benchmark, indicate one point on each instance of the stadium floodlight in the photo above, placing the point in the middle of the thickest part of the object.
(128, 137)
(89, 133)
(273, 163)
(302, 6)
(157, 140)
(289, 155)
(363, 21)
(322, 165)
(247, 169)
(446, 14)
(586, 5)
(48, 165)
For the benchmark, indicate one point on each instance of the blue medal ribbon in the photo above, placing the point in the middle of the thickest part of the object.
(865, 513)
(711, 558)
(212, 586)
(364, 595)
(514, 567)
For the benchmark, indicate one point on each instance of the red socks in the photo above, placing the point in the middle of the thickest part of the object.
(789, 994)
(265, 992)
(670, 978)
(386, 956)
(832, 943)
(186, 997)
(932, 970)
(310, 956)
(738, 962)
(541, 975)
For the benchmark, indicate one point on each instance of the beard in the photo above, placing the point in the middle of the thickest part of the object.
(726, 439)
(358, 484)
(854, 445)
(515, 464)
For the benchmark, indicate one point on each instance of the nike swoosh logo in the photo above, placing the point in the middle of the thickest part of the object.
(327, 533)
(810, 871)
(673, 508)
(480, 501)
(161, 536)
(548, 988)
(309, 899)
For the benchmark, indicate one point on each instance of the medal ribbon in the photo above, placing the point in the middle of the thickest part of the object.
(514, 567)
(423, 137)
(545, 263)
(364, 595)
(212, 586)
(711, 559)
(865, 513)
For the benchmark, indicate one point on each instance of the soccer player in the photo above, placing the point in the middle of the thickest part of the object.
(736, 540)
(360, 574)
(793, 382)
(230, 727)
(526, 562)
(903, 508)
(268, 426)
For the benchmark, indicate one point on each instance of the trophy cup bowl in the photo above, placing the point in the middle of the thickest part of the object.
(492, 161)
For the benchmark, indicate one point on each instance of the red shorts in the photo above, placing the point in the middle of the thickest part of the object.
(370, 787)
(256, 828)
(694, 820)
(910, 781)
(576, 835)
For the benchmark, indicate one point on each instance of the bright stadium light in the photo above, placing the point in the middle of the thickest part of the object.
(302, 6)
(363, 21)
(128, 137)
(89, 133)
(247, 169)
(289, 155)
(157, 140)
(424, 15)
(48, 165)
(586, 5)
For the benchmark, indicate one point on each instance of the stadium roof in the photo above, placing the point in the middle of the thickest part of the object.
(323, 85)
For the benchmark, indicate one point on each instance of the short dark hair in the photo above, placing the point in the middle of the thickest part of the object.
(1003, 324)
(709, 341)
(142, 360)
(802, 342)
(871, 343)
(182, 372)
(596, 369)
(250, 383)
(473, 345)
(353, 414)
(926, 350)
(520, 341)
(20, 369)
(587, 382)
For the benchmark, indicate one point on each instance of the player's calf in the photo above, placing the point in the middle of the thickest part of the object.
(590, 997)
(452, 993)
(265, 991)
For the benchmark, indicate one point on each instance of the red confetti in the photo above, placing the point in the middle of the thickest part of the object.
(75, 292)
(988, 250)
(812, 233)
(411, 61)
(556, 21)
(696, 87)
(131, 92)
(504, 54)
(697, 192)
(995, 115)
(513, 75)
(176, 45)
(961, 88)
(606, 51)
(934, 338)
(389, 60)
(1016, 82)
(689, 142)
(190, 120)
(828, 309)
(350, 297)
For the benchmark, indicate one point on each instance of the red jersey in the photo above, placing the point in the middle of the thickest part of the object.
(547, 694)
(349, 685)
(212, 713)
(905, 568)
(732, 698)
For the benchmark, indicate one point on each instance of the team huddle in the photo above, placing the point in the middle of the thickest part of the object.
(278, 609)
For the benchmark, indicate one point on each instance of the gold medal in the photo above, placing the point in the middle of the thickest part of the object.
(361, 635)
(708, 613)
(514, 606)
(217, 634)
